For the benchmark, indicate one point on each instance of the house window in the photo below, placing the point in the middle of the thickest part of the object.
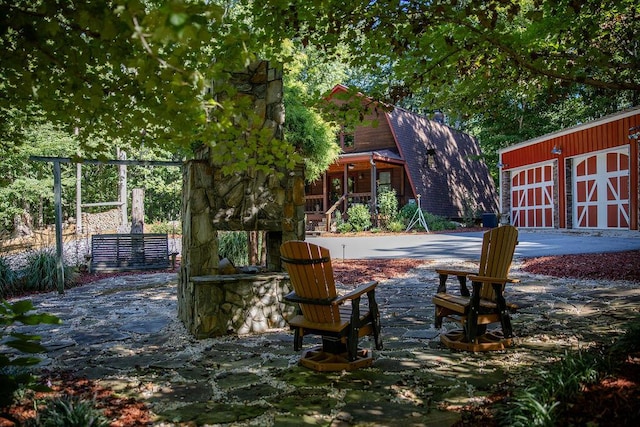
(346, 138)
(384, 181)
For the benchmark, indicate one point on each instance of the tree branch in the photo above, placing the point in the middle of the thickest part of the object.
(140, 34)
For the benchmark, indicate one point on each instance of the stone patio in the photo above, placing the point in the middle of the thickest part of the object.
(124, 332)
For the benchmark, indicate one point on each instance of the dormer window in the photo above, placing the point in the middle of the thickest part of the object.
(346, 138)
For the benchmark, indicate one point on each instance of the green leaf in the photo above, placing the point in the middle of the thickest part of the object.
(26, 346)
(21, 307)
(24, 361)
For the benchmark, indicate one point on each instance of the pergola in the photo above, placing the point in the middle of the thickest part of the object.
(57, 195)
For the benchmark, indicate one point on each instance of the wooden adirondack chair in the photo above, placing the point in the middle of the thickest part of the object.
(339, 320)
(486, 304)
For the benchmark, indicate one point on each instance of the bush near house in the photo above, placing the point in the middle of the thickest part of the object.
(434, 222)
(359, 217)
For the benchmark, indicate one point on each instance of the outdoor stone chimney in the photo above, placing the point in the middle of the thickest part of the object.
(249, 201)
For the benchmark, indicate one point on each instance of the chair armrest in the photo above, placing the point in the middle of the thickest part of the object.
(293, 297)
(357, 292)
(462, 279)
(454, 272)
(488, 279)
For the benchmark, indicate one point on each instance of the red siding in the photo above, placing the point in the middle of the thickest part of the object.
(589, 139)
(600, 137)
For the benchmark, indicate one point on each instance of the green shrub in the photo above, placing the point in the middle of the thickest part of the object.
(70, 411)
(7, 279)
(359, 217)
(438, 223)
(540, 403)
(396, 226)
(234, 246)
(166, 227)
(387, 207)
(629, 342)
(13, 374)
(470, 212)
(434, 222)
(406, 212)
(41, 273)
(344, 227)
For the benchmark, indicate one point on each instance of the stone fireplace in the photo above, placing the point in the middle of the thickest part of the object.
(214, 304)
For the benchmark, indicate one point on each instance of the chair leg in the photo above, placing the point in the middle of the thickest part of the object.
(354, 329)
(297, 339)
(471, 328)
(438, 319)
(505, 319)
(352, 345)
(377, 335)
(375, 319)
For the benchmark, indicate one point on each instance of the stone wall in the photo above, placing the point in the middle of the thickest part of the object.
(100, 222)
(240, 303)
(252, 200)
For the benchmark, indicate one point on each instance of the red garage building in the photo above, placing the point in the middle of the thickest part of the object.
(583, 177)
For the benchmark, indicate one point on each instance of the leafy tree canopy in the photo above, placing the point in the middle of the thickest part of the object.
(468, 50)
(125, 68)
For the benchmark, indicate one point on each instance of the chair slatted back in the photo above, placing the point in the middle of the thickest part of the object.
(311, 274)
(498, 247)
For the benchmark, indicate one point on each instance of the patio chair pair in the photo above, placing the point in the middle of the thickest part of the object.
(341, 321)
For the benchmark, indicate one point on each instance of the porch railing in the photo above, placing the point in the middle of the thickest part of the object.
(328, 214)
(314, 205)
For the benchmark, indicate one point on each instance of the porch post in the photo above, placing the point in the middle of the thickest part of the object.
(345, 186)
(325, 193)
(374, 187)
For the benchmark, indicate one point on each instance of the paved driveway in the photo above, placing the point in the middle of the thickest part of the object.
(467, 245)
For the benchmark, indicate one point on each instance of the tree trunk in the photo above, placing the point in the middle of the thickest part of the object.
(137, 211)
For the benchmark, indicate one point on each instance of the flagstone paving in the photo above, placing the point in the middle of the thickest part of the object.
(124, 332)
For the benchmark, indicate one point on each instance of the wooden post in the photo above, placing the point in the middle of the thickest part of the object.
(79, 198)
(57, 200)
(122, 187)
(374, 188)
(137, 211)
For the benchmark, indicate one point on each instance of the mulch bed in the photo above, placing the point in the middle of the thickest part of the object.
(613, 266)
(612, 401)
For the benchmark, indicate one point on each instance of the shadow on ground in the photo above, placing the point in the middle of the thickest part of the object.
(123, 332)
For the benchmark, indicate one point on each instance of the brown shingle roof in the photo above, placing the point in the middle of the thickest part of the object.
(457, 177)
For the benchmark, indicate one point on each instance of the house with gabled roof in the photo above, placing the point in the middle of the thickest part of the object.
(422, 159)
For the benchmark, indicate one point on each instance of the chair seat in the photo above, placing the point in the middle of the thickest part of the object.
(460, 304)
(299, 321)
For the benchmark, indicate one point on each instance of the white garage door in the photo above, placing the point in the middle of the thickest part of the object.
(532, 197)
(601, 189)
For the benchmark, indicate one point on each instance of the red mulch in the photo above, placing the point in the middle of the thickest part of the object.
(354, 271)
(614, 266)
(122, 411)
(613, 401)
